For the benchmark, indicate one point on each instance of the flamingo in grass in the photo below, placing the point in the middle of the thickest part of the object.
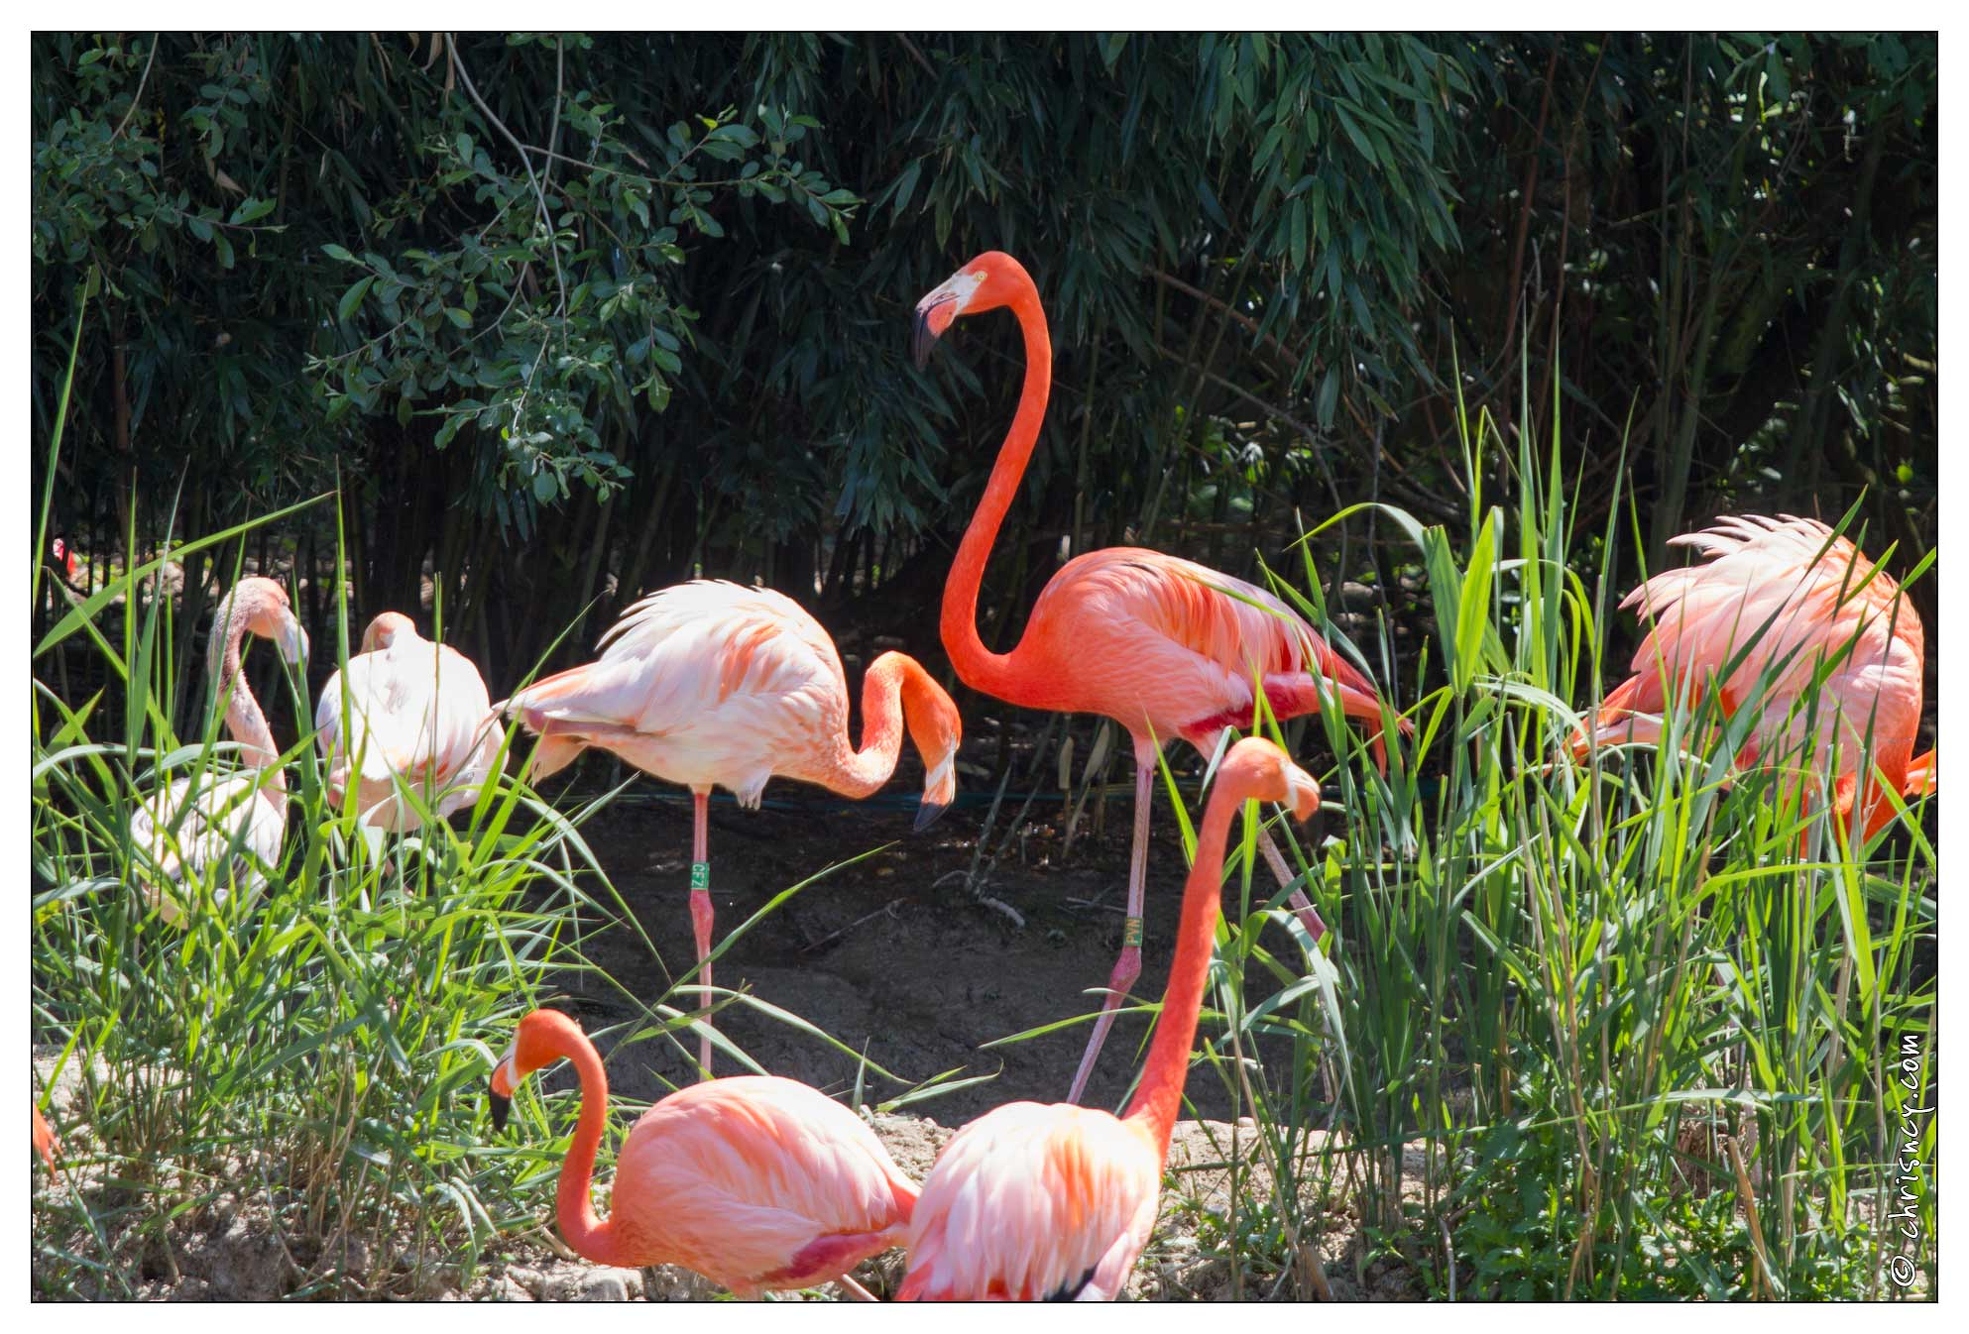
(1034, 1201)
(756, 1182)
(418, 712)
(240, 819)
(1164, 646)
(713, 684)
(1791, 603)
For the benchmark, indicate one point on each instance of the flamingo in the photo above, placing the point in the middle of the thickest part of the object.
(420, 713)
(1163, 646)
(756, 1182)
(713, 684)
(181, 833)
(1795, 600)
(1035, 1201)
(45, 1142)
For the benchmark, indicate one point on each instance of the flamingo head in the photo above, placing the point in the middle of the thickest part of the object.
(991, 280)
(259, 606)
(937, 730)
(543, 1037)
(383, 631)
(1257, 768)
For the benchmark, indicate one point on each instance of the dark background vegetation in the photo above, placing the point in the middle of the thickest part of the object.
(568, 318)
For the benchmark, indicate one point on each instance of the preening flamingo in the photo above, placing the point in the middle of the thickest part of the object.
(45, 1142)
(756, 1182)
(712, 684)
(1164, 646)
(1034, 1201)
(1795, 600)
(419, 713)
(241, 817)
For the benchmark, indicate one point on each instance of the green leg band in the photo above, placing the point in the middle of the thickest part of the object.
(700, 875)
(1131, 933)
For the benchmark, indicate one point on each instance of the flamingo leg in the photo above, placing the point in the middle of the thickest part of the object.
(1129, 966)
(1308, 914)
(701, 911)
(854, 1290)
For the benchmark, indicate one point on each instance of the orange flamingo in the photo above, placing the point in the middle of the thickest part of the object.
(1165, 647)
(715, 684)
(45, 1142)
(240, 819)
(1033, 1201)
(1798, 603)
(419, 712)
(756, 1182)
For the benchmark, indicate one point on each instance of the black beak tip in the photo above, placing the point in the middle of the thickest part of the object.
(928, 813)
(500, 1108)
(921, 340)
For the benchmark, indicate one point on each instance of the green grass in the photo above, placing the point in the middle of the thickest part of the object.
(1647, 1028)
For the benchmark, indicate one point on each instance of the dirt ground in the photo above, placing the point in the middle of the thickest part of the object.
(894, 954)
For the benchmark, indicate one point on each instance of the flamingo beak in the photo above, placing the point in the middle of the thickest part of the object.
(500, 1095)
(933, 316)
(939, 790)
(1302, 794)
(929, 812)
(293, 640)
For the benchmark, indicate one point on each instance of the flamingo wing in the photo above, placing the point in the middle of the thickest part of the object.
(759, 1182)
(701, 683)
(1034, 1201)
(200, 822)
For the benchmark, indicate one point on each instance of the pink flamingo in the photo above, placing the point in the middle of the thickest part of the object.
(419, 713)
(1033, 1201)
(756, 1182)
(712, 684)
(180, 831)
(1164, 646)
(1794, 600)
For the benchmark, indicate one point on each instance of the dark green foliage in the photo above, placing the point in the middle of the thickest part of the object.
(574, 316)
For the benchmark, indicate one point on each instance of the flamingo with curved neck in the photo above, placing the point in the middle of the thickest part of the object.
(184, 832)
(713, 684)
(1164, 646)
(756, 1182)
(1035, 1201)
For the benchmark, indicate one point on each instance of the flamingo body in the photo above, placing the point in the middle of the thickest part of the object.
(1035, 1202)
(1171, 648)
(417, 712)
(758, 1183)
(1791, 598)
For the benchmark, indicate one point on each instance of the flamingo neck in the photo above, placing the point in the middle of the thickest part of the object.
(245, 721)
(1160, 1095)
(857, 773)
(588, 1235)
(997, 674)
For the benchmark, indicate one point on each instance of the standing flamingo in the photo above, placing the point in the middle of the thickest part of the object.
(1034, 1201)
(1164, 646)
(756, 1182)
(244, 813)
(712, 684)
(419, 712)
(1797, 602)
